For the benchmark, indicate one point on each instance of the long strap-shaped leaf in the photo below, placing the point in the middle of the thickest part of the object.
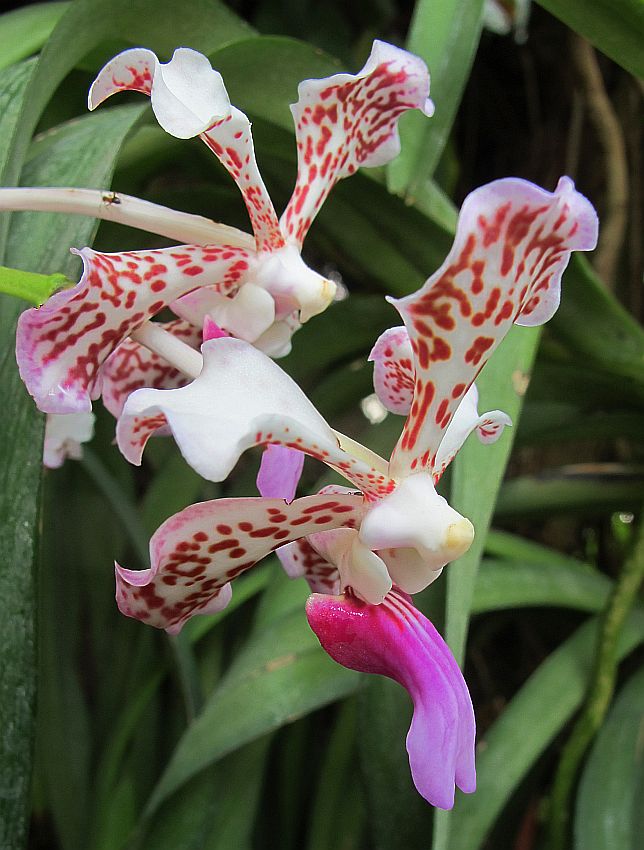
(20, 428)
(446, 36)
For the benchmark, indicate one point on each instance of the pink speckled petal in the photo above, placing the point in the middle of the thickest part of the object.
(488, 426)
(394, 639)
(61, 345)
(189, 99)
(196, 553)
(347, 121)
(280, 472)
(132, 366)
(513, 242)
(393, 373)
(231, 141)
(240, 399)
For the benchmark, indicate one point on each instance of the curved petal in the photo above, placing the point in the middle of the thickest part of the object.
(394, 374)
(231, 141)
(395, 640)
(246, 315)
(345, 121)
(240, 399)
(513, 242)
(489, 427)
(414, 516)
(187, 95)
(61, 345)
(189, 99)
(64, 434)
(132, 366)
(280, 472)
(197, 552)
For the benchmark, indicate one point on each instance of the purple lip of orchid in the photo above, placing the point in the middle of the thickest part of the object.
(390, 534)
(259, 290)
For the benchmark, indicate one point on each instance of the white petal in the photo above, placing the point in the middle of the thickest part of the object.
(188, 95)
(415, 516)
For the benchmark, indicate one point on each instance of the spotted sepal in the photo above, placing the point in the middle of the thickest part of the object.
(347, 121)
(189, 99)
(488, 426)
(393, 372)
(240, 399)
(231, 141)
(301, 560)
(196, 553)
(132, 366)
(61, 346)
(513, 242)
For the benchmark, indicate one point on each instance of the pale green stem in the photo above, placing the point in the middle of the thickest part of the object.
(600, 691)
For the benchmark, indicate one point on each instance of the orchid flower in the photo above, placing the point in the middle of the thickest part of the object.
(367, 547)
(256, 289)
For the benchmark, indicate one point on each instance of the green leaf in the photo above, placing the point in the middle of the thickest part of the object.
(529, 723)
(202, 25)
(216, 809)
(476, 477)
(20, 462)
(24, 31)
(280, 675)
(616, 27)
(593, 324)
(84, 155)
(609, 800)
(478, 471)
(446, 35)
(513, 584)
(574, 490)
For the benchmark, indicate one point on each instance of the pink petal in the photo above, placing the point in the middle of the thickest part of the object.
(394, 374)
(196, 553)
(395, 640)
(513, 242)
(61, 345)
(240, 399)
(132, 366)
(280, 472)
(346, 121)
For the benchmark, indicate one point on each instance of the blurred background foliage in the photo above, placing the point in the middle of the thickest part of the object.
(240, 733)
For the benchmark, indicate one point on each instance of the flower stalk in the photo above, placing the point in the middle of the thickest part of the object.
(600, 690)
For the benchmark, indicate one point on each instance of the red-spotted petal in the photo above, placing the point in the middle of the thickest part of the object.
(189, 99)
(394, 639)
(196, 553)
(61, 345)
(488, 426)
(133, 366)
(393, 373)
(347, 121)
(240, 399)
(231, 141)
(301, 560)
(513, 242)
